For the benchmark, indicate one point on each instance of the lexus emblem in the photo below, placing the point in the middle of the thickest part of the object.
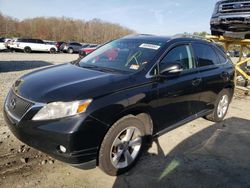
(13, 103)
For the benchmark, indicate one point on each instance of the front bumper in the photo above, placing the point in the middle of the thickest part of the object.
(231, 23)
(80, 135)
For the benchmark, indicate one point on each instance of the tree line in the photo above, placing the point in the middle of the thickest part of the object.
(62, 29)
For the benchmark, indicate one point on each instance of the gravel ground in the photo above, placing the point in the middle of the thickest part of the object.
(197, 154)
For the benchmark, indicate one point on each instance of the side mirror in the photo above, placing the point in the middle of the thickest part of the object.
(82, 53)
(170, 69)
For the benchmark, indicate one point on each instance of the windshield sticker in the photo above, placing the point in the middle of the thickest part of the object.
(134, 67)
(149, 46)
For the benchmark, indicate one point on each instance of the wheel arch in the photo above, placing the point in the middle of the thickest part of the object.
(141, 113)
(230, 88)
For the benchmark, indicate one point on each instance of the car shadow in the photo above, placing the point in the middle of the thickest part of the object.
(9, 66)
(218, 156)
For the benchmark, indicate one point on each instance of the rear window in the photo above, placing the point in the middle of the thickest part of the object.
(205, 55)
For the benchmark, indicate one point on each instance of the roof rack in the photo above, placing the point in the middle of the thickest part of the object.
(193, 37)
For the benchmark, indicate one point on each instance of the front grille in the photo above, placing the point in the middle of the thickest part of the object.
(16, 105)
(235, 6)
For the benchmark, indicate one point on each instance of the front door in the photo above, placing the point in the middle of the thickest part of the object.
(179, 94)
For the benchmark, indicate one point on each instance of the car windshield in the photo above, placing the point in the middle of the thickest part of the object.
(127, 55)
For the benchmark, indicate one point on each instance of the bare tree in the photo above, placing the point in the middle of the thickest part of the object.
(62, 29)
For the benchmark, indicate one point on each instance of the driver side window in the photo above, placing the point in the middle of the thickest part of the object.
(181, 54)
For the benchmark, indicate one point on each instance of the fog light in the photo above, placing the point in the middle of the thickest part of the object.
(62, 149)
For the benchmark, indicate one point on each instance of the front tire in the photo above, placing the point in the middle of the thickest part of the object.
(221, 106)
(122, 145)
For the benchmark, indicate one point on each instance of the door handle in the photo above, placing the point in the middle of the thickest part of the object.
(196, 81)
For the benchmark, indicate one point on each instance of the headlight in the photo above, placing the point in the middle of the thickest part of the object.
(56, 110)
(216, 8)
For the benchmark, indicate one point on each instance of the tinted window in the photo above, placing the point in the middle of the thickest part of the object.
(180, 54)
(205, 55)
(28, 40)
(32, 40)
(21, 40)
(1, 40)
(39, 41)
(222, 58)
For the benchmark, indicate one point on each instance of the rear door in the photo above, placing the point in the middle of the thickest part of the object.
(178, 95)
(40, 45)
(211, 72)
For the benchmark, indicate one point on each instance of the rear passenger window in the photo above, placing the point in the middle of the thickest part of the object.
(205, 55)
(32, 40)
(222, 59)
(39, 41)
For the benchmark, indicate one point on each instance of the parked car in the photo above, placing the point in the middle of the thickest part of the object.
(29, 45)
(102, 109)
(2, 44)
(235, 53)
(71, 47)
(231, 16)
(85, 51)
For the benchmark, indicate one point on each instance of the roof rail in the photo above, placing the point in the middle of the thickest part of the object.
(193, 37)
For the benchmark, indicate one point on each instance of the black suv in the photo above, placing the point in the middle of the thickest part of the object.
(102, 109)
(231, 16)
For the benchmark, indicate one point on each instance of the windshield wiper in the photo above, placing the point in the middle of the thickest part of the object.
(89, 66)
(103, 69)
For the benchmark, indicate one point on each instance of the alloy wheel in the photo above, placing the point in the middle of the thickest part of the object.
(125, 147)
(222, 106)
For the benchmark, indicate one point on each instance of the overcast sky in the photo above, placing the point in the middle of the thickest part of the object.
(163, 17)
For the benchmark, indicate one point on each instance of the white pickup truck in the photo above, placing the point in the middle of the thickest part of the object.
(29, 45)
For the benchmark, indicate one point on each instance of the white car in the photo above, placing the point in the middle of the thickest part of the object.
(29, 45)
(2, 44)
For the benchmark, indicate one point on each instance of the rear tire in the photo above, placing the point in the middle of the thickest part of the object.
(27, 49)
(221, 106)
(122, 145)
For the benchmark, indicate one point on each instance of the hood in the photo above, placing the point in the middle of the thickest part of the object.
(67, 82)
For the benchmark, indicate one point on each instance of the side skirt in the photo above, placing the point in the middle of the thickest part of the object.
(182, 122)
